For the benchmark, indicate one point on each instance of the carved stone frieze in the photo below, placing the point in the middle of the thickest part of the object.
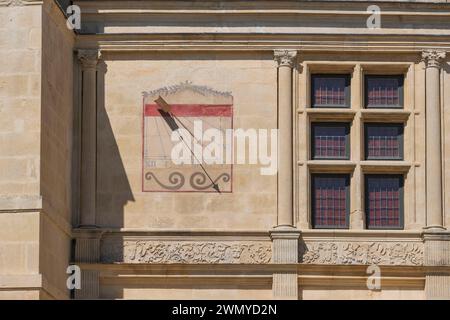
(149, 251)
(381, 253)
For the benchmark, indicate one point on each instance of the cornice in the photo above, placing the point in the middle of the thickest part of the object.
(260, 4)
(305, 12)
(261, 42)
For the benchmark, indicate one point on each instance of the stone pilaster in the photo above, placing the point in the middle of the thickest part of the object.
(87, 251)
(436, 239)
(432, 59)
(88, 60)
(87, 237)
(285, 252)
(437, 263)
(286, 60)
(285, 236)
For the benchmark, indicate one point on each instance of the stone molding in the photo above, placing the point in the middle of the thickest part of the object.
(227, 42)
(18, 3)
(20, 203)
(286, 58)
(433, 58)
(152, 251)
(362, 253)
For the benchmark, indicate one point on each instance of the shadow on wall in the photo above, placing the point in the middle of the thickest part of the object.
(446, 67)
(113, 187)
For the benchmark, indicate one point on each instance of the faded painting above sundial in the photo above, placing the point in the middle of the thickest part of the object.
(191, 122)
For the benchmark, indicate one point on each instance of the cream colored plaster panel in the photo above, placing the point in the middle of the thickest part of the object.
(251, 80)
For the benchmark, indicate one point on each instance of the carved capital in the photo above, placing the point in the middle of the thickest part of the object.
(285, 57)
(88, 58)
(102, 67)
(433, 58)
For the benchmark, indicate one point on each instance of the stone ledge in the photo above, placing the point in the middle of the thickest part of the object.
(29, 282)
(193, 234)
(436, 235)
(20, 203)
(18, 281)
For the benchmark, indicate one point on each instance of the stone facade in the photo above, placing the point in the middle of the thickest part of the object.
(72, 135)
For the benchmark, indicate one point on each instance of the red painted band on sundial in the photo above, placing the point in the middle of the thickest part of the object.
(192, 110)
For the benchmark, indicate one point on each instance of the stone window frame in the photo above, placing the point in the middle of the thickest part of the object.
(357, 115)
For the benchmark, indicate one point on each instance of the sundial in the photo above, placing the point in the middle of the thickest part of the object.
(181, 114)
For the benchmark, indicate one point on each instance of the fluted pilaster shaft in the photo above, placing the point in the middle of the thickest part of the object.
(286, 60)
(432, 59)
(88, 60)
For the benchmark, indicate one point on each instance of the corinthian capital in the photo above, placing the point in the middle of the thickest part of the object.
(433, 58)
(88, 58)
(285, 57)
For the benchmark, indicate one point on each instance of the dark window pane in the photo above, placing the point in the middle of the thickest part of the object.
(330, 141)
(384, 91)
(330, 200)
(330, 90)
(384, 141)
(384, 207)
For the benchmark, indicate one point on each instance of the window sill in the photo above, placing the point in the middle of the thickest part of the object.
(330, 114)
(391, 166)
(385, 115)
(331, 166)
(394, 234)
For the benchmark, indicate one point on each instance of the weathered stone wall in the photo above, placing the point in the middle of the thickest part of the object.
(20, 119)
(36, 75)
(207, 245)
(56, 148)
